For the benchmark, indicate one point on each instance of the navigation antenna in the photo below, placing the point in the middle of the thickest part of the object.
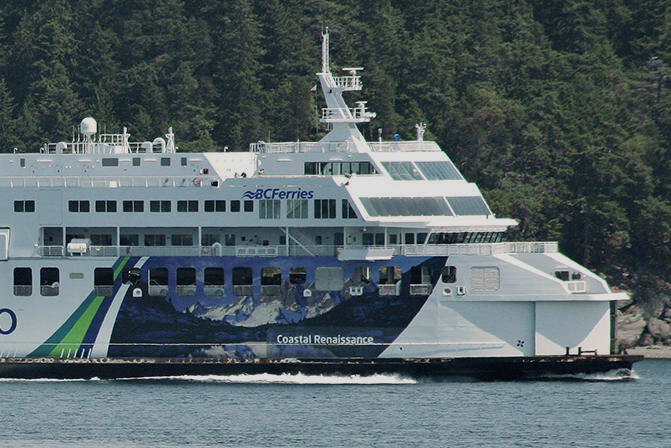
(325, 51)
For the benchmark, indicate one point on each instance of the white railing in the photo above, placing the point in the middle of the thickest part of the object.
(428, 250)
(346, 115)
(348, 82)
(105, 181)
(404, 146)
(292, 147)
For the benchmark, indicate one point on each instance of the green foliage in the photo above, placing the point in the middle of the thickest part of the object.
(560, 111)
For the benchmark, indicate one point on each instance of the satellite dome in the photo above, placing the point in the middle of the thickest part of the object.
(88, 126)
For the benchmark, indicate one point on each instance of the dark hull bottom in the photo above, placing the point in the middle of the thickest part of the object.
(477, 368)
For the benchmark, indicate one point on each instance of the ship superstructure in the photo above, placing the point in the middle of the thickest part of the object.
(341, 248)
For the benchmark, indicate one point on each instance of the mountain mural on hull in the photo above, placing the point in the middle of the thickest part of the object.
(286, 324)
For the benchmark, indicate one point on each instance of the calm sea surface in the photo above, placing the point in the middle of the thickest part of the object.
(329, 411)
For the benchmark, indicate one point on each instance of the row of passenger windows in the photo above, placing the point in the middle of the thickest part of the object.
(214, 279)
(338, 168)
(268, 208)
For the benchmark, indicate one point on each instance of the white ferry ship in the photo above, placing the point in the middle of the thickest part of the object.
(293, 255)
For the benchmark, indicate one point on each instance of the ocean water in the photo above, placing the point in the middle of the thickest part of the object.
(384, 410)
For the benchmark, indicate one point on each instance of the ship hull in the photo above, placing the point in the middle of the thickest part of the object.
(489, 368)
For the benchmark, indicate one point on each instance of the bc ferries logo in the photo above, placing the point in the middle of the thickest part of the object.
(7, 321)
(278, 193)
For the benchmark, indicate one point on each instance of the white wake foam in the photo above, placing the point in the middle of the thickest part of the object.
(286, 378)
(611, 375)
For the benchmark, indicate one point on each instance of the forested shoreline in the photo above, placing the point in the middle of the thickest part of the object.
(559, 110)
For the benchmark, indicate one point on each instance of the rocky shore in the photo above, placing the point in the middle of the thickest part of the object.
(644, 329)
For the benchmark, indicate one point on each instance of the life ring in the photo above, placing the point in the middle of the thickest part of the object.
(197, 181)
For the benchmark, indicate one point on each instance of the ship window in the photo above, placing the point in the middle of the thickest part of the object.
(439, 170)
(187, 206)
(297, 208)
(402, 170)
(576, 276)
(103, 282)
(78, 206)
(420, 275)
(335, 168)
(158, 282)
(325, 208)
(215, 206)
(136, 161)
(160, 206)
(379, 239)
(154, 240)
(347, 210)
(105, 206)
(409, 238)
(271, 276)
(229, 239)
(249, 206)
(186, 282)
(361, 274)
(214, 282)
(329, 279)
(318, 240)
(22, 162)
(49, 278)
(448, 274)
(367, 239)
(390, 275)
(562, 275)
(133, 206)
(129, 239)
(485, 278)
(165, 161)
(23, 281)
(468, 205)
(183, 160)
(110, 161)
(24, 206)
(101, 239)
(181, 240)
(297, 276)
(235, 206)
(421, 237)
(269, 209)
(242, 276)
(432, 206)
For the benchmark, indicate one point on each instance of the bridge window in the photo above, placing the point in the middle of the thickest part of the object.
(187, 206)
(297, 208)
(49, 281)
(105, 206)
(439, 170)
(23, 281)
(269, 208)
(103, 282)
(402, 170)
(215, 206)
(297, 276)
(468, 205)
(158, 282)
(214, 282)
(186, 281)
(133, 206)
(338, 168)
(160, 206)
(325, 208)
(431, 206)
(347, 210)
(78, 206)
(24, 206)
(448, 274)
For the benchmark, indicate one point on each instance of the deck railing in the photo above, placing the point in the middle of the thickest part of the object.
(482, 249)
(105, 181)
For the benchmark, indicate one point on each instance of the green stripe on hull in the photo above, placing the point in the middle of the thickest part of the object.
(71, 334)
